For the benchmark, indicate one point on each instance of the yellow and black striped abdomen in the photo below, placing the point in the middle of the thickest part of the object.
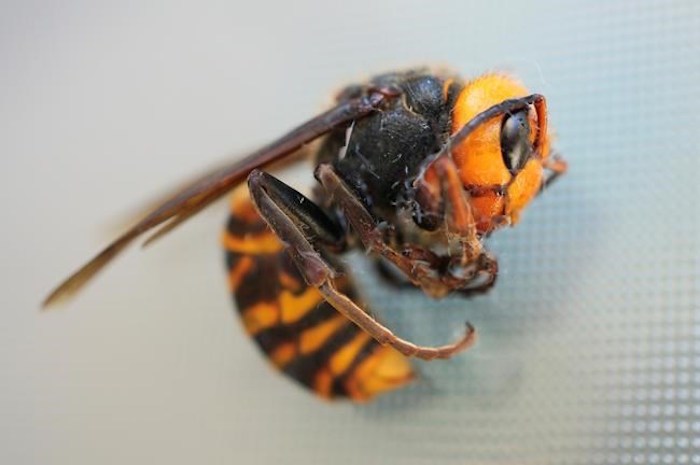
(300, 333)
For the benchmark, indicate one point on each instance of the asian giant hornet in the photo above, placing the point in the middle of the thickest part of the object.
(416, 167)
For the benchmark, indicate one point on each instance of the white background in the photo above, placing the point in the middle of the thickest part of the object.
(589, 347)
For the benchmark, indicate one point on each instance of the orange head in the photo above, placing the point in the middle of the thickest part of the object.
(501, 162)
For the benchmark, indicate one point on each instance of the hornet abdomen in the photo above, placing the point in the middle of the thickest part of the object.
(300, 333)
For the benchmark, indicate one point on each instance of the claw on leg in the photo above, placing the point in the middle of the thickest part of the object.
(384, 336)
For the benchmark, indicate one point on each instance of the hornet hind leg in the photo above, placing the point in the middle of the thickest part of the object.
(295, 219)
(299, 332)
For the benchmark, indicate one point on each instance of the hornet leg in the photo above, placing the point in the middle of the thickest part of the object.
(298, 227)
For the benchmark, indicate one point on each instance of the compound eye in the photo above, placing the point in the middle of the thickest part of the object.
(516, 147)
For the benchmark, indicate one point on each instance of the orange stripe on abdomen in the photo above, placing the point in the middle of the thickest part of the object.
(298, 331)
(265, 243)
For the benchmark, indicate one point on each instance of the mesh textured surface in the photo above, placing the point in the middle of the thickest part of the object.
(590, 342)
